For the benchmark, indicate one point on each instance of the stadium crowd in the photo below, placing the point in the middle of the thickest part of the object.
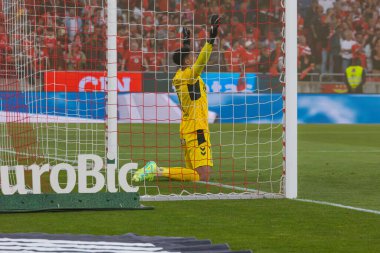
(331, 34)
(74, 37)
(334, 33)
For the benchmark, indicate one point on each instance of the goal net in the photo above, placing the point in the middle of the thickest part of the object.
(53, 71)
(244, 93)
(70, 86)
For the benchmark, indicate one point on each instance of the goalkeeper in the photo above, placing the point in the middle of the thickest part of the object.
(194, 130)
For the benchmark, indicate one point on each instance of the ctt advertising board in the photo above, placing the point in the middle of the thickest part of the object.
(78, 81)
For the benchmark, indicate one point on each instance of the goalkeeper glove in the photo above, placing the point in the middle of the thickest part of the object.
(215, 19)
(186, 37)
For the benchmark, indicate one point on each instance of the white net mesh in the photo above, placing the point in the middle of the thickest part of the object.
(45, 117)
(244, 95)
(53, 89)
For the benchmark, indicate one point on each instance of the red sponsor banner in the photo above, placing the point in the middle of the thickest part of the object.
(78, 81)
(334, 88)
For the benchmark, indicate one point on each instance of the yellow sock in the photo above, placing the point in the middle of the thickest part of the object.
(180, 174)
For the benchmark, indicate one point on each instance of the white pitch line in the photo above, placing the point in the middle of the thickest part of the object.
(339, 151)
(301, 200)
(339, 133)
(340, 205)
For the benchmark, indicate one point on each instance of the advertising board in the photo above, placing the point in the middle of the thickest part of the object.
(77, 81)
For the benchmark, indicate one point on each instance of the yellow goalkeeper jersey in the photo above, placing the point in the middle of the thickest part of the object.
(191, 91)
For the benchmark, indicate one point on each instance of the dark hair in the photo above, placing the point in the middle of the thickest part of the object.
(180, 55)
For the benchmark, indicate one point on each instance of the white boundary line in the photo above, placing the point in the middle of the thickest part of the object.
(301, 200)
(340, 151)
(339, 205)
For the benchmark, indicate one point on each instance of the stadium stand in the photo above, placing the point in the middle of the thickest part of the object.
(75, 40)
(331, 34)
(338, 31)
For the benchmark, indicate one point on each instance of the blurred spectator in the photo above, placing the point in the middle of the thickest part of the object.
(233, 58)
(95, 50)
(346, 44)
(200, 12)
(77, 40)
(6, 59)
(276, 60)
(73, 23)
(326, 4)
(174, 41)
(76, 59)
(250, 56)
(376, 57)
(155, 60)
(239, 29)
(270, 41)
(3, 40)
(62, 47)
(187, 11)
(165, 5)
(300, 24)
(305, 61)
(49, 18)
(324, 32)
(133, 59)
(334, 41)
(216, 62)
(312, 23)
(122, 35)
(359, 50)
(265, 60)
(50, 45)
(355, 77)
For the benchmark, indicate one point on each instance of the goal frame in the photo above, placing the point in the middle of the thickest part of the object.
(290, 114)
(289, 80)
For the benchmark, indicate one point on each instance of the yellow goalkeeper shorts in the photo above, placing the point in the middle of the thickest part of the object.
(197, 149)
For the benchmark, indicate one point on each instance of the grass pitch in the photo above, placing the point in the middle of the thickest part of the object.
(337, 163)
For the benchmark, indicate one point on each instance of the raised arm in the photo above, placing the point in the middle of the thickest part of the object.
(205, 53)
(202, 60)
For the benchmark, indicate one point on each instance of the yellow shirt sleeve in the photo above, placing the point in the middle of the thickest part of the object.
(201, 61)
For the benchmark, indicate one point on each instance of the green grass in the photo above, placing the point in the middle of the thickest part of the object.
(245, 156)
(241, 154)
(337, 163)
(340, 164)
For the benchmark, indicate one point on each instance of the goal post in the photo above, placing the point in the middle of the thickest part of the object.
(291, 139)
(111, 127)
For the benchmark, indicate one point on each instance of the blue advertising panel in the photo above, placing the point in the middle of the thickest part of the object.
(339, 108)
(245, 108)
(228, 107)
(229, 82)
(85, 105)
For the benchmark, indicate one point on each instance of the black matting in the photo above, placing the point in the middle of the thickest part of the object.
(128, 243)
